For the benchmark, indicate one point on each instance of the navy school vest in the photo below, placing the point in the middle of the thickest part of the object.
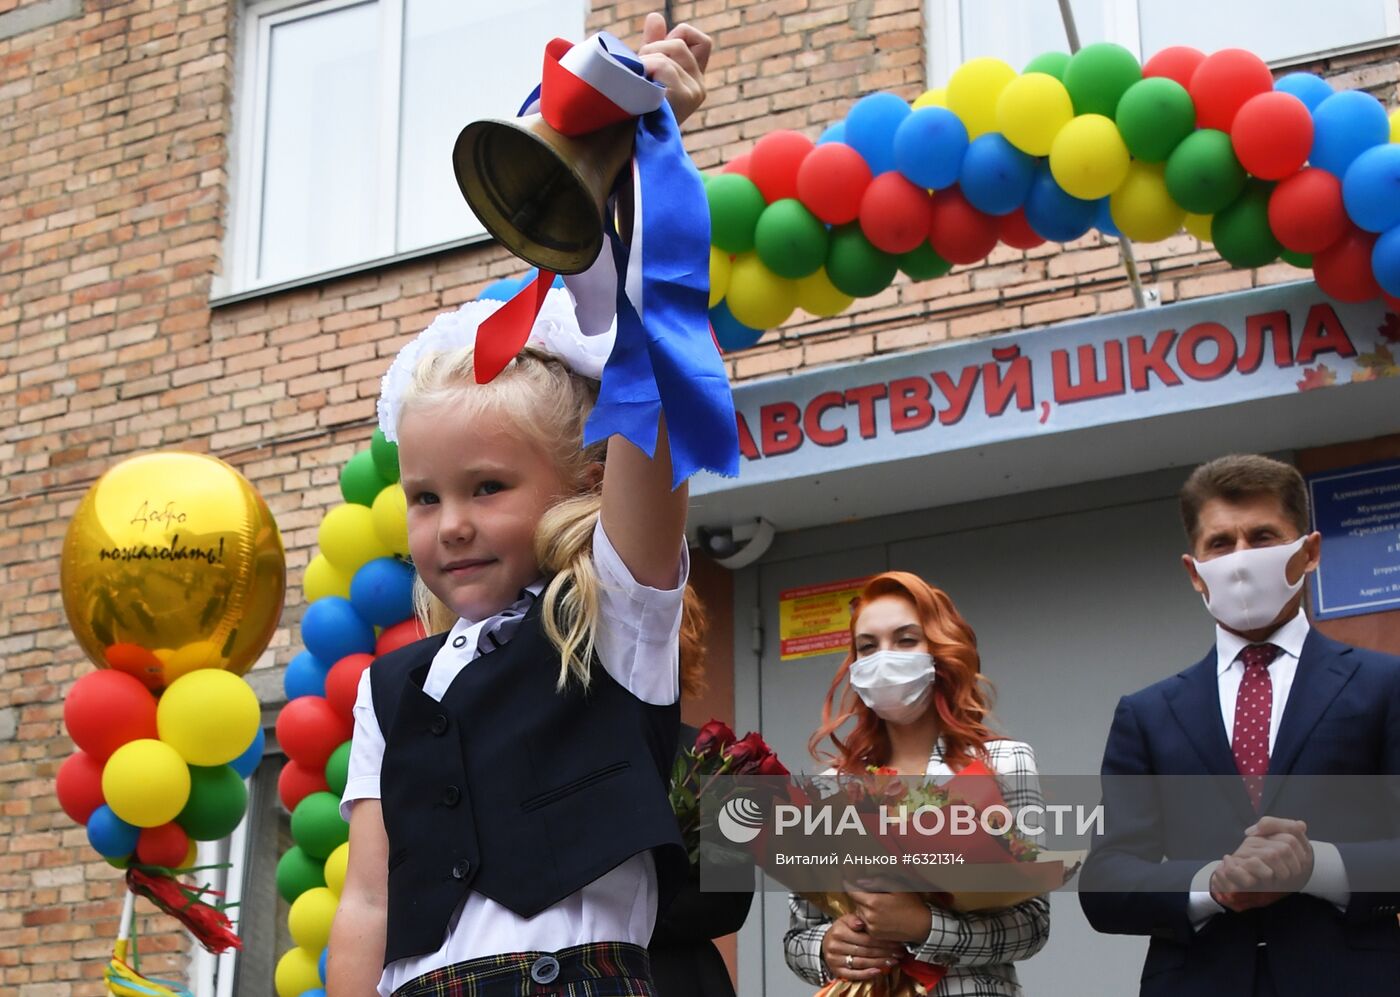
(513, 790)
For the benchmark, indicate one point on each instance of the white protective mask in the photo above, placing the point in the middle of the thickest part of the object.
(897, 685)
(1250, 587)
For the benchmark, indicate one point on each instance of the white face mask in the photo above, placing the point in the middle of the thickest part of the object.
(1250, 587)
(897, 685)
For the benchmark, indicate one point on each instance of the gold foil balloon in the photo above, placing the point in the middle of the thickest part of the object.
(172, 563)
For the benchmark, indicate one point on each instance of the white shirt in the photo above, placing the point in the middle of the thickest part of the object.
(638, 644)
(1329, 877)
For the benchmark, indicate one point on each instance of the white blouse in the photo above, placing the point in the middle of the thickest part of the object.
(638, 644)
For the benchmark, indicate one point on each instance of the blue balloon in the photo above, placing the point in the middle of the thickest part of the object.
(331, 629)
(1371, 188)
(996, 176)
(730, 333)
(500, 290)
(1344, 126)
(1385, 262)
(112, 837)
(870, 128)
(314, 992)
(305, 676)
(247, 762)
(1054, 215)
(382, 591)
(929, 146)
(1103, 220)
(833, 133)
(321, 964)
(1310, 88)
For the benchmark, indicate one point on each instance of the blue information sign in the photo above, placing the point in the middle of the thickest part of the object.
(1357, 511)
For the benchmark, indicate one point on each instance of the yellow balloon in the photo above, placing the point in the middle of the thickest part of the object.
(937, 97)
(1142, 208)
(348, 540)
(1031, 111)
(190, 658)
(758, 297)
(168, 550)
(336, 864)
(973, 92)
(146, 782)
(1395, 125)
(817, 295)
(310, 918)
(1088, 158)
(719, 275)
(391, 520)
(297, 972)
(210, 717)
(1199, 226)
(322, 578)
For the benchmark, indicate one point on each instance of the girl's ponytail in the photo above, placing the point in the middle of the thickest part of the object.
(564, 551)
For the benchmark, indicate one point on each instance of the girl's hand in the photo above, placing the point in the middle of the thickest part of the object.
(893, 917)
(851, 954)
(677, 60)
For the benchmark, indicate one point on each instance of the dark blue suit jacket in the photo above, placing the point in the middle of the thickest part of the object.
(1342, 719)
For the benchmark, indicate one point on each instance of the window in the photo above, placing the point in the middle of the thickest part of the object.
(1276, 30)
(346, 113)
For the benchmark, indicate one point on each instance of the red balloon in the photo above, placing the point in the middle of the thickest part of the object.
(107, 708)
(1017, 233)
(1176, 63)
(308, 730)
(295, 783)
(1223, 82)
(165, 845)
(959, 232)
(831, 181)
(1306, 212)
(78, 786)
(774, 162)
(739, 165)
(895, 214)
(1272, 135)
(397, 636)
(343, 682)
(138, 662)
(1343, 270)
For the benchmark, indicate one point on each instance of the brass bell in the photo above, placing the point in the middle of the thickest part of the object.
(542, 194)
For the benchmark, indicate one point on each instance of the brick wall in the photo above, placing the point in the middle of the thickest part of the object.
(113, 190)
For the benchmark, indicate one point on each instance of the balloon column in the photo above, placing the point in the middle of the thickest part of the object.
(172, 577)
(1259, 167)
(359, 590)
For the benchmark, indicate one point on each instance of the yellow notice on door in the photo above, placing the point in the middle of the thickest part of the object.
(816, 619)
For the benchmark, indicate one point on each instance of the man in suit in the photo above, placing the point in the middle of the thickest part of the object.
(1248, 882)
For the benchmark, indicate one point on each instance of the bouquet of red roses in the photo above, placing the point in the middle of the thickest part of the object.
(716, 752)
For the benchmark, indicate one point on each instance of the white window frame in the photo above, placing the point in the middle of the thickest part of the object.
(943, 35)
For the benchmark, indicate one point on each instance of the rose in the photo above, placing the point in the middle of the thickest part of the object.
(746, 753)
(769, 765)
(713, 738)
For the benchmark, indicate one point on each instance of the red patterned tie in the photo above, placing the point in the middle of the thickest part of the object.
(1253, 708)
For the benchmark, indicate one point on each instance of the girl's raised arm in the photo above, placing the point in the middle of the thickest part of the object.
(642, 515)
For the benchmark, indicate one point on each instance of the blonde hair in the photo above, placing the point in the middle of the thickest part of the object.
(549, 404)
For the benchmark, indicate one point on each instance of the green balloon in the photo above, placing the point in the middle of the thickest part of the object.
(298, 872)
(1203, 175)
(1049, 63)
(856, 267)
(1303, 261)
(359, 479)
(338, 769)
(790, 240)
(317, 825)
(735, 205)
(923, 263)
(386, 456)
(1153, 116)
(1241, 231)
(1098, 75)
(218, 800)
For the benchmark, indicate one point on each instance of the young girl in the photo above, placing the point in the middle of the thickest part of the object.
(509, 825)
(920, 707)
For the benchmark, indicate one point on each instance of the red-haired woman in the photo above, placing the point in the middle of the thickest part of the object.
(919, 702)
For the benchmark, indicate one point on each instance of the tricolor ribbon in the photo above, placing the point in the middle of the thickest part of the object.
(665, 359)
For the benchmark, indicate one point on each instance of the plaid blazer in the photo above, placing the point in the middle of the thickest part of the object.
(979, 948)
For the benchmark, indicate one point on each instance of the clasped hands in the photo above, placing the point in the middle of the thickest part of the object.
(1274, 860)
(868, 943)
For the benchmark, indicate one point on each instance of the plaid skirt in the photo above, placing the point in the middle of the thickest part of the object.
(602, 969)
